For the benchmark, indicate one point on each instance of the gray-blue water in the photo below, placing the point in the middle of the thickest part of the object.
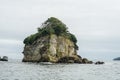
(33, 71)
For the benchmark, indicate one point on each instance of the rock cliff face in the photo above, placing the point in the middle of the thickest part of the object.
(51, 44)
(49, 48)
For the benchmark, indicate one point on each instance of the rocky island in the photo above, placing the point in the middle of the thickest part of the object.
(117, 59)
(52, 43)
(4, 58)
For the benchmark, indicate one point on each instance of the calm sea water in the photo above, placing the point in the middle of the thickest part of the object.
(33, 71)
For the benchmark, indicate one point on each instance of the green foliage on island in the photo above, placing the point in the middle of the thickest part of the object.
(52, 26)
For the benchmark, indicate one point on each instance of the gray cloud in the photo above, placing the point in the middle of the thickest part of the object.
(11, 48)
(94, 22)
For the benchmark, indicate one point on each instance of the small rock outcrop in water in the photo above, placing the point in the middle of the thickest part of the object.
(5, 58)
(52, 43)
(117, 59)
(85, 61)
(99, 62)
(70, 59)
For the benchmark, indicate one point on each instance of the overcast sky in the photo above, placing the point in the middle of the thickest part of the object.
(96, 24)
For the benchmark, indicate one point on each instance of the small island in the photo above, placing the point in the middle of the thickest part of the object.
(117, 59)
(52, 43)
(4, 58)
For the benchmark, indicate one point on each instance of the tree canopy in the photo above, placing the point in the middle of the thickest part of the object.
(51, 26)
